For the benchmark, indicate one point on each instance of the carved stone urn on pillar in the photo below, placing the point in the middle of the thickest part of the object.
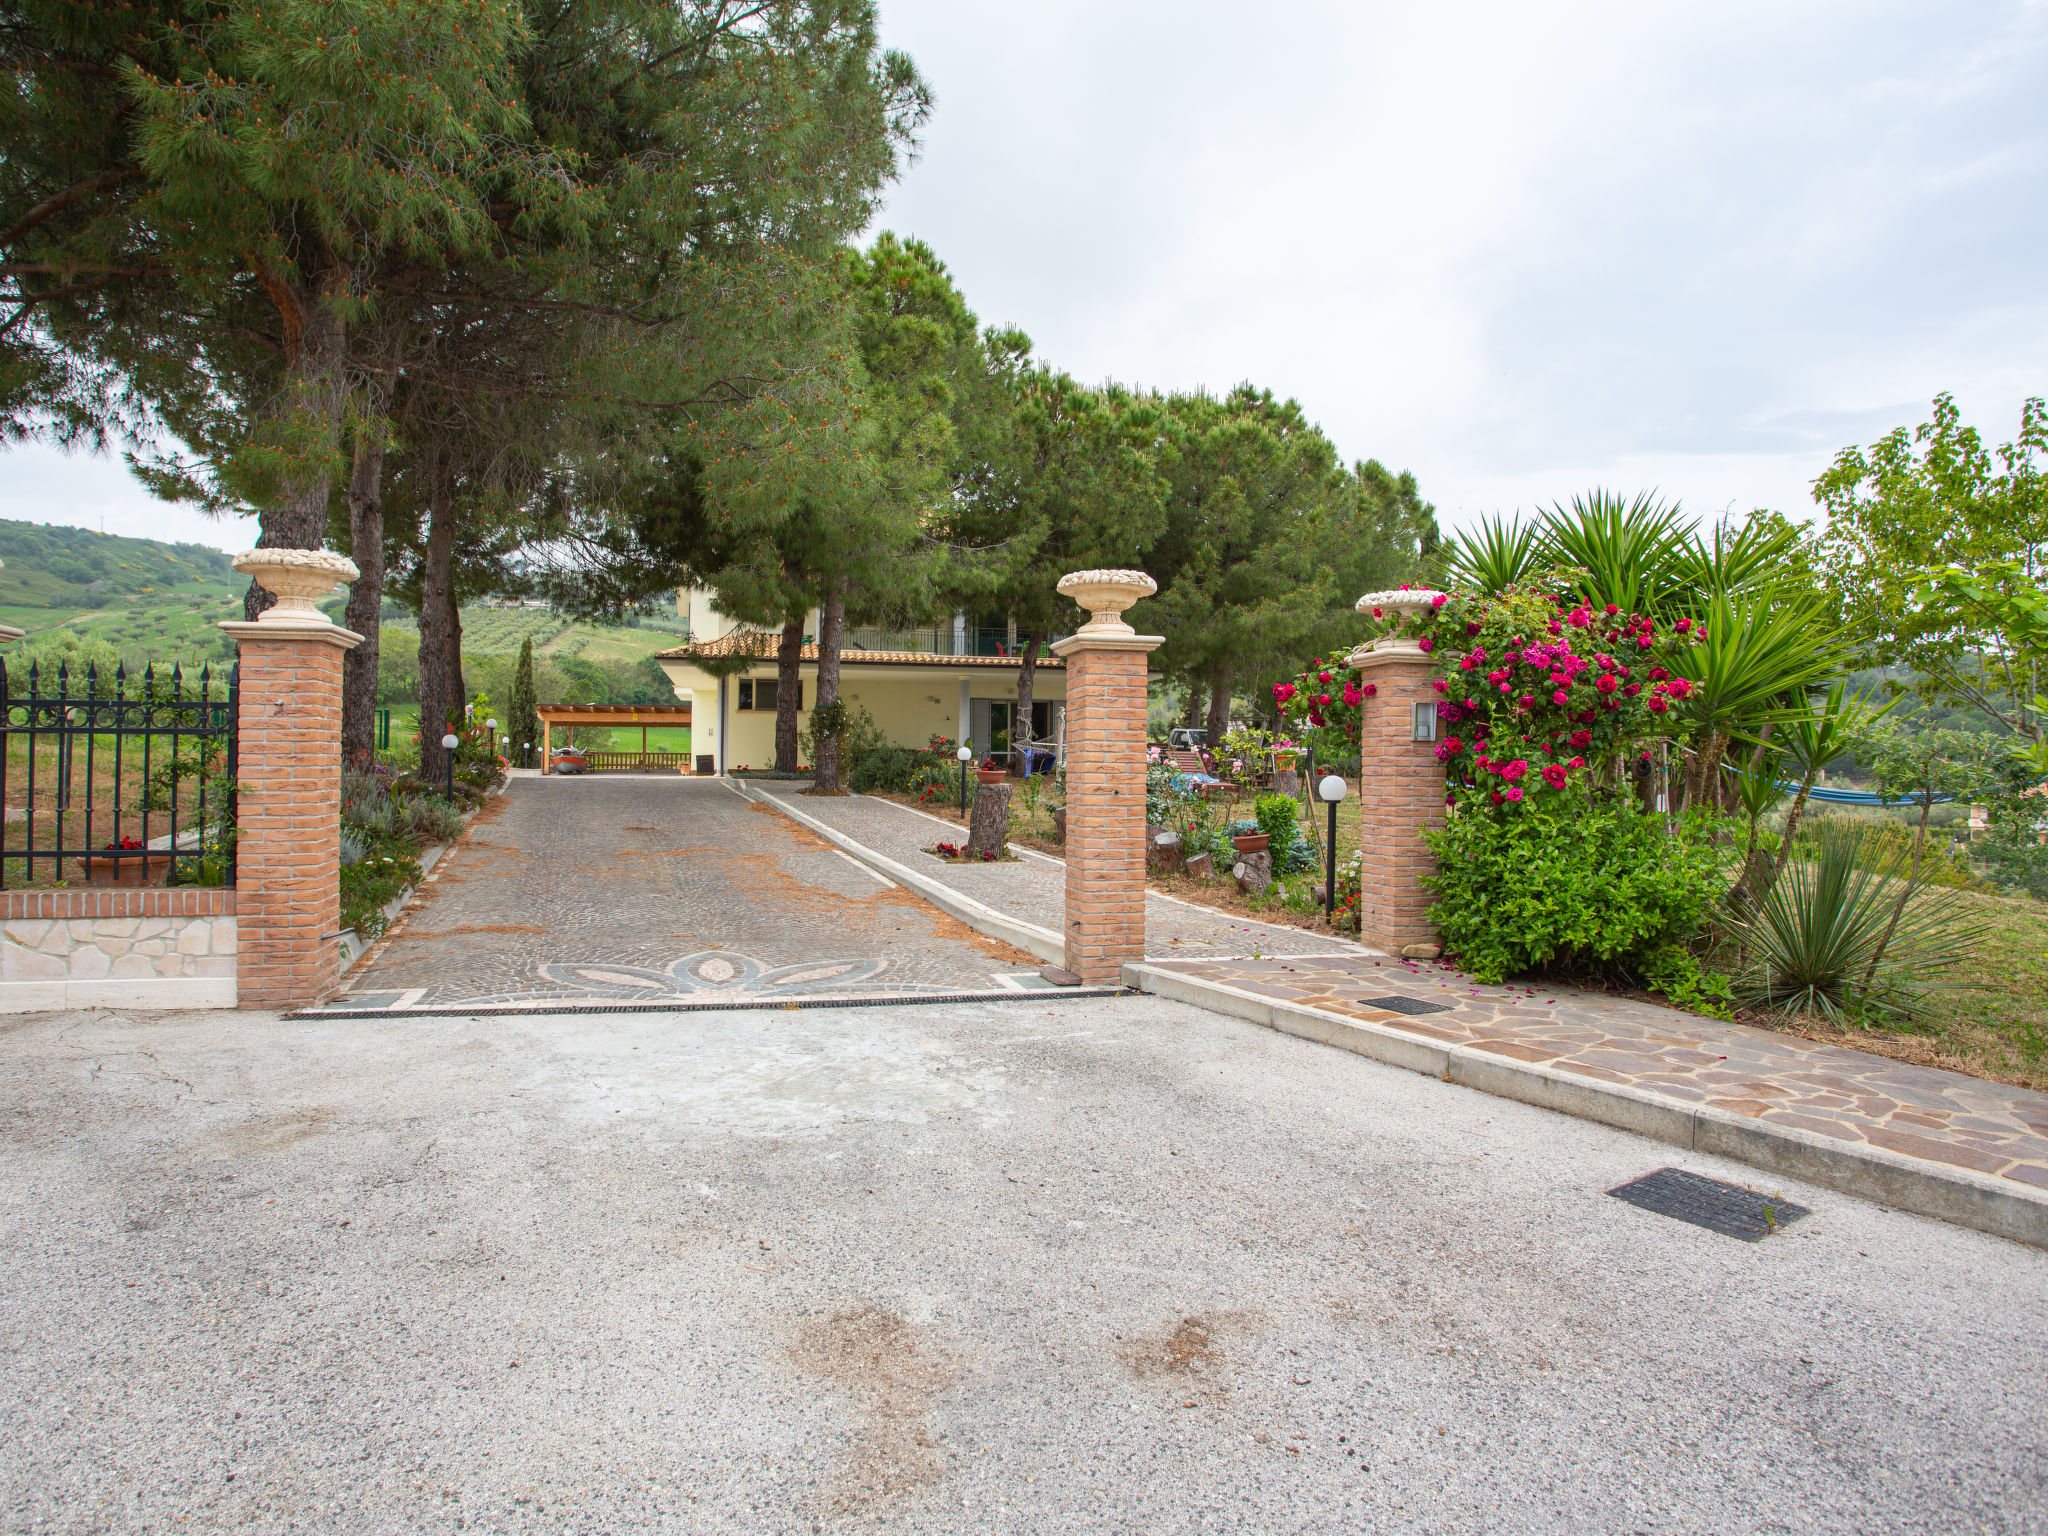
(1401, 783)
(288, 766)
(1105, 906)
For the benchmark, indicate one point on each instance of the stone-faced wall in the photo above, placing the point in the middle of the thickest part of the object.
(119, 948)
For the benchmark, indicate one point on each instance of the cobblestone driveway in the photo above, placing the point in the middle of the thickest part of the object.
(662, 889)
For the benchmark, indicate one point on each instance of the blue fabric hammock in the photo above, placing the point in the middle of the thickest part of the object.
(1859, 796)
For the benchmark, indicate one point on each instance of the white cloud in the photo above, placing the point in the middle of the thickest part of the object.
(1518, 249)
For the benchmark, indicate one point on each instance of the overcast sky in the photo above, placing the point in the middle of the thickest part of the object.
(1519, 249)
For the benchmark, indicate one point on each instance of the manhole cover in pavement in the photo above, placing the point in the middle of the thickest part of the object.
(1404, 1005)
(1726, 1208)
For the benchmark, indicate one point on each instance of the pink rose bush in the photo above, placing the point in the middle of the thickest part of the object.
(1325, 703)
(1546, 691)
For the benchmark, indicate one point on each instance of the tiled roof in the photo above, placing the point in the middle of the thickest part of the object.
(764, 645)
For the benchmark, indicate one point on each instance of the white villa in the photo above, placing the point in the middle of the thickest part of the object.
(915, 683)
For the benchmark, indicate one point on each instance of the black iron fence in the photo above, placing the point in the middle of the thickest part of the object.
(117, 780)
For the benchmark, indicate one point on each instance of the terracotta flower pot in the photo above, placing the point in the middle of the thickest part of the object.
(145, 869)
(991, 775)
(1254, 842)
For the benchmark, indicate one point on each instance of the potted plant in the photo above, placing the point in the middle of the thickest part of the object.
(989, 771)
(140, 867)
(1251, 842)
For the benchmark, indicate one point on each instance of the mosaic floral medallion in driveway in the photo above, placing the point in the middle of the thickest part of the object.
(650, 890)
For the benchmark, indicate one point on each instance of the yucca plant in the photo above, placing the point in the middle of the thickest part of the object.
(1495, 557)
(1816, 942)
(1629, 551)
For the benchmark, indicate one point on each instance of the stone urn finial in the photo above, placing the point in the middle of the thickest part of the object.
(1106, 594)
(299, 578)
(1394, 605)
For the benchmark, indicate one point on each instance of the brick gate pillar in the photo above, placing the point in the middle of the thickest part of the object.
(1105, 909)
(288, 757)
(1400, 785)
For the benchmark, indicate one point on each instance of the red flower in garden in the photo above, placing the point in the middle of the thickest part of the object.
(1682, 625)
(1426, 643)
(1282, 692)
(1515, 792)
(1554, 775)
(1657, 704)
(1562, 696)
(1678, 688)
(1577, 762)
(1471, 626)
(1612, 609)
(1370, 689)
(1515, 769)
(1379, 613)
(1528, 701)
(1351, 693)
(1633, 689)
(1578, 618)
(1456, 746)
(1582, 739)
(1607, 684)
(1659, 673)
(1322, 677)
(1494, 796)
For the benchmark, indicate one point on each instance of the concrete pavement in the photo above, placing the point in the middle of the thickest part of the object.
(1045, 1266)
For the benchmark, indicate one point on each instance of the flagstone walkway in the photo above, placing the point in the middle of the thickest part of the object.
(1827, 1090)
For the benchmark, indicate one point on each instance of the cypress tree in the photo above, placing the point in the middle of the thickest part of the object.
(525, 712)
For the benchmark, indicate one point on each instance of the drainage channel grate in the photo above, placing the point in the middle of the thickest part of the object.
(1719, 1207)
(1404, 1005)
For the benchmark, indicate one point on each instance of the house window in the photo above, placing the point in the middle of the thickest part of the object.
(760, 693)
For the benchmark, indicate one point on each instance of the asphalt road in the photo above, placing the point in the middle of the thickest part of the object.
(1040, 1266)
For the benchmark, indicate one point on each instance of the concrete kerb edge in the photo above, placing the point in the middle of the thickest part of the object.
(1957, 1195)
(1029, 937)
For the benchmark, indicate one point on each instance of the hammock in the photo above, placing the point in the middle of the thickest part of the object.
(1860, 796)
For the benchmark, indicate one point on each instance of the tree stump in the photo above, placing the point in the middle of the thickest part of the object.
(989, 828)
(1162, 849)
(1201, 866)
(1059, 824)
(1254, 872)
(1287, 782)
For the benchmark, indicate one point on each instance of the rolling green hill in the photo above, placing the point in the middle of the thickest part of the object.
(149, 601)
(161, 603)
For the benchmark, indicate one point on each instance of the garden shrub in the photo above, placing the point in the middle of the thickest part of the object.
(935, 780)
(1571, 885)
(888, 770)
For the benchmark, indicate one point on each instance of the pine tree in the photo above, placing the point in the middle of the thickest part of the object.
(525, 725)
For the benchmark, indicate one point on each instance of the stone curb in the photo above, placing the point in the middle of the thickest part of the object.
(1958, 1195)
(1029, 937)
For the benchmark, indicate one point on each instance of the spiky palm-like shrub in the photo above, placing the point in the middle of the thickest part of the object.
(1813, 935)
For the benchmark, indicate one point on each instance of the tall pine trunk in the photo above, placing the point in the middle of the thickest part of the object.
(1027, 688)
(831, 626)
(315, 347)
(1219, 708)
(437, 698)
(365, 602)
(789, 679)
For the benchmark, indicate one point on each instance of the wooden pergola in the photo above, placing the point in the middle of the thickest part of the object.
(646, 716)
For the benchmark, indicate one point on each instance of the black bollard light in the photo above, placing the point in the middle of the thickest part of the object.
(448, 748)
(1331, 790)
(966, 756)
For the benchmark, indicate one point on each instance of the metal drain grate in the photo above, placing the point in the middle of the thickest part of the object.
(1719, 1207)
(1405, 1005)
